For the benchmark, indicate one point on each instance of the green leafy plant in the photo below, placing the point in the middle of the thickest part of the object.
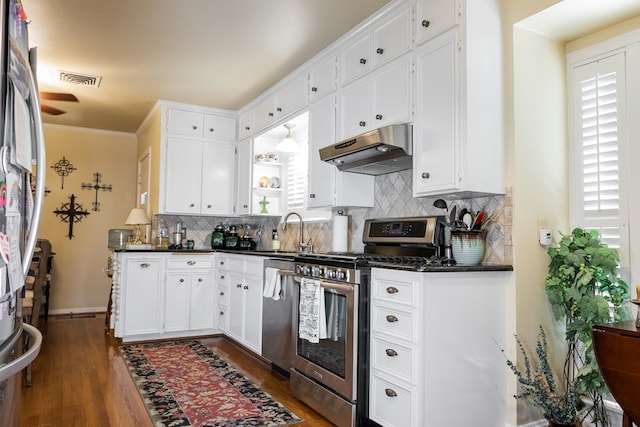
(584, 288)
(538, 384)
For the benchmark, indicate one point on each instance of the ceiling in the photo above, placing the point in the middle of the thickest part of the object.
(218, 53)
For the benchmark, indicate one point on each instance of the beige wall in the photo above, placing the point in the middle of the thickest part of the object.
(78, 281)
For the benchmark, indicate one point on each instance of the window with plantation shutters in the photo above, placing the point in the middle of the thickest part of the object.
(597, 140)
(297, 168)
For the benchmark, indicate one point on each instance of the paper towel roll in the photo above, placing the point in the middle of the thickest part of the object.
(341, 233)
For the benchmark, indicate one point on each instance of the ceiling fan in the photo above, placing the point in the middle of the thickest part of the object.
(55, 96)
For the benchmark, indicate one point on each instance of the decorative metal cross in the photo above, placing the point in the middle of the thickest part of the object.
(97, 178)
(71, 212)
(63, 168)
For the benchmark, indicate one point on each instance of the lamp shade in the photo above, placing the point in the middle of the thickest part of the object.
(288, 145)
(137, 216)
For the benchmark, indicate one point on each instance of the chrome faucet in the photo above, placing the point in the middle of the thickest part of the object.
(302, 247)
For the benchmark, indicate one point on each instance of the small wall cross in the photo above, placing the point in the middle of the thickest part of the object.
(97, 178)
(71, 212)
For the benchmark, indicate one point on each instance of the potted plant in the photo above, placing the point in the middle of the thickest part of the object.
(584, 289)
(558, 400)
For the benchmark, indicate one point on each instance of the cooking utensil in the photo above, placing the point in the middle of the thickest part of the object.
(477, 224)
(468, 220)
(439, 203)
(452, 216)
(462, 212)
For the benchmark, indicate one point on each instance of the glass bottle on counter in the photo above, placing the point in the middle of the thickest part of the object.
(162, 234)
(275, 243)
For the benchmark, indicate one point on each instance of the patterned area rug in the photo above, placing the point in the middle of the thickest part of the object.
(186, 384)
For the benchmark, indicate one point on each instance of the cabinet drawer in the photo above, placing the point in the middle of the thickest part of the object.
(394, 322)
(389, 404)
(393, 358)
(223, 318)
(394, 291)
(190, 262)
(230, 263)
(187, 123)
(223, 295)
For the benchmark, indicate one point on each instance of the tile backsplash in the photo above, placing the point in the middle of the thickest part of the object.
(393, 198)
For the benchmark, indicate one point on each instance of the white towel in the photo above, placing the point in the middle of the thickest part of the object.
(272, 284)
(309, 310)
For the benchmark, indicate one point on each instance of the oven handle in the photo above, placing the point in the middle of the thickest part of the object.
(335, 287)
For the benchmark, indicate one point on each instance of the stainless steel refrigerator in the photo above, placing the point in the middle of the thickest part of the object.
(21, 162)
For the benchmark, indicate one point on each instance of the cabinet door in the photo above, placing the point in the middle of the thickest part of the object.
(236, 306)
(218, 178)
(322, 79)
(143, 297)
(183, 176)
(219, 128)
(392, 95)
(245, 124)
(355, 60)
(435, 130)
(185, 123)
(265, 114)
(355, 109)
(202, 301)
(253, 313)
(392, 38)
(243, 189)
(434, 17)
(176, 308)
(292, 97)
(322, 132)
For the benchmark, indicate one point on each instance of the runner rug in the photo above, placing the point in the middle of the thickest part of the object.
(186, 384)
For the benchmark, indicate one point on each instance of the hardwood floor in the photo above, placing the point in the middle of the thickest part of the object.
(79, 379)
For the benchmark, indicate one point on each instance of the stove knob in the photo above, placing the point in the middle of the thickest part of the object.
(341, 274)
(330, 274)
(305, 270)
(317, 271)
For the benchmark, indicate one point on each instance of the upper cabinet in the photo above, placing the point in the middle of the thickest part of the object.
(322, 78)
(200, 125)
(289, 99)
(458, 128)
(435, 17)
(387, 40)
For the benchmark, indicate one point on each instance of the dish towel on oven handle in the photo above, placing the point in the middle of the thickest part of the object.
(312, 319)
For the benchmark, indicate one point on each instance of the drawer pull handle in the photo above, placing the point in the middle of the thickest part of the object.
(246, 287)
(391, 318)
(389, 392)
(391, 352)
(145, 265)
(425, 175)
(362, 123)
(392, 290)
(191, 262)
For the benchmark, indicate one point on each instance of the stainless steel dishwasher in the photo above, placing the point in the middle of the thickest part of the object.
(277, 318)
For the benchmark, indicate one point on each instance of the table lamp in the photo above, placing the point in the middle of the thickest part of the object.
(137, 217)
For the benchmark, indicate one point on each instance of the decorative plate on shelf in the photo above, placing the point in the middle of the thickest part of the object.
(271, 157)
(275, 182)
(264, 182)
(259, 157)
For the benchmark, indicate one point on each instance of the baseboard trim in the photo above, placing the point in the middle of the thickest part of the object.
(78, 310)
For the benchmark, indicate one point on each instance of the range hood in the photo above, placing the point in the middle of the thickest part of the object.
(378, 152)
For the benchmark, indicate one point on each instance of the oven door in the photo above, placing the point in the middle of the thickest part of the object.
(330, 362)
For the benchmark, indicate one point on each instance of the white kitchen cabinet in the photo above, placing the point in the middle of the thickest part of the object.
(199, 177)
(322, 78)
(190, 294)
(244, 275)
(389, 38)
(434, 17)
(459, 109)
(139, 288)
(243, 189)
(381, 99)
(245, 124)
(284, 102)
(200, 125)
(328, 187)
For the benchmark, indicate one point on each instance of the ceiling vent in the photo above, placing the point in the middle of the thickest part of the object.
(79, 79)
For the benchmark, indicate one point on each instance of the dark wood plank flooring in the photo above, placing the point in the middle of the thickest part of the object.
(79, 379)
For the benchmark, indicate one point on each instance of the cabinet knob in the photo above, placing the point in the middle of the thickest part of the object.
(200, 279)
(425, 23)
(208, 206)
(389, 392)
(222, 277)
(245, 206)
(363, 61)
(391, 352)
(362, 123)
(378, 116)
(314, 89)
(270, 114)
(222, 263)
(222, 313)
(192, 205)
(221, 293)
(238, 285)
(246, 287)
(191, 262)
(145, 265)
(312, 195)
(425, 175)
(278, 109)
(247, 128)
(194, 127)
(392, 290)
(211, 130)
(379, 51)
(391, 318)
(181, 280)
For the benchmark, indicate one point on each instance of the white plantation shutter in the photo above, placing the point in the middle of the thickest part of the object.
(297, 168)
(597, 111)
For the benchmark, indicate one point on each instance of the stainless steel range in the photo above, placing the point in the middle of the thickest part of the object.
(330, 366)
